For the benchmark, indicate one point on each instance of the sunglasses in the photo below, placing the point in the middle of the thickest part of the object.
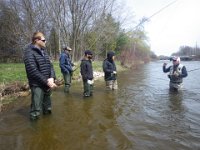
(43, 41)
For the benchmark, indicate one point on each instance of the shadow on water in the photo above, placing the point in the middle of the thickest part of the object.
(143, 114)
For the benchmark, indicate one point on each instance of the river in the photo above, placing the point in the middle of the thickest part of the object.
(141, 115)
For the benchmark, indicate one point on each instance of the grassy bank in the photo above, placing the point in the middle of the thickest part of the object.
(10, 73)
(13, 80)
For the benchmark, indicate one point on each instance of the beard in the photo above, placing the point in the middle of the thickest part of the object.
(89, 57)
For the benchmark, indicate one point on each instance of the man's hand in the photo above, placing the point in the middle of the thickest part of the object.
(114, 72)
(165, 64)
(50, 83)
(176, 74)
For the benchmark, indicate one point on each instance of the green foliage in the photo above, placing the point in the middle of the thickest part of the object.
(90, 40)
(122, 40)
(53, 43)
(83, 24)
(9, 33)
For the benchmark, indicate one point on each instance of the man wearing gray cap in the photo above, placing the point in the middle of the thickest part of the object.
(66, 67)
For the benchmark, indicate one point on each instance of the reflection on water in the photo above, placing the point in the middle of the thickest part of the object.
(143, 114)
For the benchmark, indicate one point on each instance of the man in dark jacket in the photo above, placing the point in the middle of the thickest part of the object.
(40, 74)
(66, 67)
(176, 73)
(87, 73)
(110, 71)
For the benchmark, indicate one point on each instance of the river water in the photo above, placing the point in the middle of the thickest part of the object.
(142, 115)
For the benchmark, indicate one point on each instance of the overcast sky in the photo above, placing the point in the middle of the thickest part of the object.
(175, 26)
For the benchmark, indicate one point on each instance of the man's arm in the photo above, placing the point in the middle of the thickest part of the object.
(105, 68)
(165, 69)
(184, 72)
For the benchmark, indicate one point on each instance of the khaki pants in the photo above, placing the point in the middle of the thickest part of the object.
(112, 84)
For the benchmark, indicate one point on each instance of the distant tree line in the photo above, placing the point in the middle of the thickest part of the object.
(80, 24)
(188, 51)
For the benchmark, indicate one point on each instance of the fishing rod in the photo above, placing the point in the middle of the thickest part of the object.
(83, 55)
(148, 18)
(193, 70)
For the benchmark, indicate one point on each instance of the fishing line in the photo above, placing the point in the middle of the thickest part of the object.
(147, 19)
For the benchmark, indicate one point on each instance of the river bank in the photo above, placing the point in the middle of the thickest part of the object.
(18, 85)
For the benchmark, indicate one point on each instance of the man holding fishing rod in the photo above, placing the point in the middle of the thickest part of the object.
(66, 67)
(176, 73)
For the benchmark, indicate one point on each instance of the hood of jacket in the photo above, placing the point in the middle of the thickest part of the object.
(110, 55)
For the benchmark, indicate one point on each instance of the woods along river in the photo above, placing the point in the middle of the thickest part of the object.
(141, 115)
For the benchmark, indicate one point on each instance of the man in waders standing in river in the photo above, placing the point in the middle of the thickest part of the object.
(66, 67)
(176, 73)
(40, 74)
(110, 71)
(87, 73)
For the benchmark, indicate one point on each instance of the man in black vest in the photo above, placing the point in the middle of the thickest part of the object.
(40, 74)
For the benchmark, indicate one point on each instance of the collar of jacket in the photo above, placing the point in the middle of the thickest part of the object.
(40, 51)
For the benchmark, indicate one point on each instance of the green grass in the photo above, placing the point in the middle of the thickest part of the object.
(12, 72)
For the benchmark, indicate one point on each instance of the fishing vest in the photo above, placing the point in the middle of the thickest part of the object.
(178, 71)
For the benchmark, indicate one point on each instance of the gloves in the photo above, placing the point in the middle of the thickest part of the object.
(114, 72)
(90, 82)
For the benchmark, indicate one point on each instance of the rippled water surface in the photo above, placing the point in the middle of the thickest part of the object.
(141, 115)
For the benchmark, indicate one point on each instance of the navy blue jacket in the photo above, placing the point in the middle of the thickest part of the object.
(38, 67)
(65, 63)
